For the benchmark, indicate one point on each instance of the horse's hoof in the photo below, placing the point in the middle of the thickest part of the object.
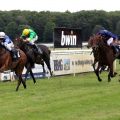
(25, 87)
(115, 73)
(16, 90)
(109, 80)
(100, 80)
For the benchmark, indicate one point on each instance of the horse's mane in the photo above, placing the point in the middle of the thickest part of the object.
(99, 47)
(96, 40)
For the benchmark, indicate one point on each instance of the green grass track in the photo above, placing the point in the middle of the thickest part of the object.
(62, 98)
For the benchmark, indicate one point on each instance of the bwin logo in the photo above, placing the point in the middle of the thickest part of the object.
(68, 39)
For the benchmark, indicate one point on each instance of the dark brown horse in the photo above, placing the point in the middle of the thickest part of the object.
(6, 63)
(105, 55)
(93, 44)
(34, 57)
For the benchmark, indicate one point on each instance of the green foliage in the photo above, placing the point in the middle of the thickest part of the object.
(97, 28)
(44, 22)
(118, 28)
(48, 32)
(11, 29)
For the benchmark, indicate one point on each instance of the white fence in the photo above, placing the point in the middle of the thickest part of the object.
(63, 62)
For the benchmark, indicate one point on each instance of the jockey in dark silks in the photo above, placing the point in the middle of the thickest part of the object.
(8, 44)
(111, 39)
(29, 36)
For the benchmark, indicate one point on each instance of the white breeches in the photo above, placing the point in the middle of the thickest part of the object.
(109, 41)
(9, 46)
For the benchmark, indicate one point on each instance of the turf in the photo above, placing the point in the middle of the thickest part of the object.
(62, 98)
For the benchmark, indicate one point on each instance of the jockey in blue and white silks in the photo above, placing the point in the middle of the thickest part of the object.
(6, 41)
(8, 44)
(111, 38)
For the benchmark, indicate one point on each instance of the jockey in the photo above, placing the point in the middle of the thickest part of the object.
(111, 39)
(30, 36)
(8, 44)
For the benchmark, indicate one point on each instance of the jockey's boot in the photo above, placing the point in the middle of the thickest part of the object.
(37, 50)
(14, 54)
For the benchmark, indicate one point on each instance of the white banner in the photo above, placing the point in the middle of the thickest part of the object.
(71, 61)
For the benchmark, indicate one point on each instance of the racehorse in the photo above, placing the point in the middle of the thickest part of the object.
(93, 43)
(7, 63)
(33, 56)
(105, 55)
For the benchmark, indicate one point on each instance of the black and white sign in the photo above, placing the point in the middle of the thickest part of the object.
(67, 38)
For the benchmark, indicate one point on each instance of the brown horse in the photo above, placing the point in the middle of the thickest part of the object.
(7, 63)
(105, 55)
(94, 44)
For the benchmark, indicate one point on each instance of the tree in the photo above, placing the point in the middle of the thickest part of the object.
(21, 20)
(118, 28)
(97, 28)
(11, 30)
(48, 32)
(2, 25)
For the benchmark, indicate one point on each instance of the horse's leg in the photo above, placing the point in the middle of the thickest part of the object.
(23, 82)
(109, 78)
(32, 75)
(97, 73)
(93, 65)
(48, 65)
(18, 72)
(42, 63)
(19, 82)
(102, 68)
(111, 74)
(3, 68)
(29, 69)
(26, 74)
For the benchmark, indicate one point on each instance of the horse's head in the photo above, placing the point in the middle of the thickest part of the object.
(20, 43)
(90, 42)
(94, 41)
(23, 46)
